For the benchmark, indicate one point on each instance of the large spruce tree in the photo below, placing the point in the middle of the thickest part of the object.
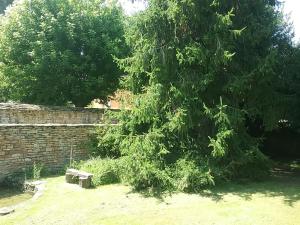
(198, 70)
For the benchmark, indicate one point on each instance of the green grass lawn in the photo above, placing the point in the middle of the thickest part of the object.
(272, 202)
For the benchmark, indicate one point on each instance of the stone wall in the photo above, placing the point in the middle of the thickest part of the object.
(44, 135)
(33, 114)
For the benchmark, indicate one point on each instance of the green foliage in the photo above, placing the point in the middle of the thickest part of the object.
(198, 70)
(288, 69)
(17, 179)
(107, 148)
(4, 88)
(36, 170)
(57, 51)
(105, 171)
(142, 173)
(190, 177)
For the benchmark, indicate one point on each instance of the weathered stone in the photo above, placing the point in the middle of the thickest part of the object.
(70, 178)
(36, 187)
(12, 113)
(48, 135)
(85, 182)
(83, 178)
(6, 210)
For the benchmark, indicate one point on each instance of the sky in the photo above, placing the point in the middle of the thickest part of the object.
(291, 8)
(132, 7)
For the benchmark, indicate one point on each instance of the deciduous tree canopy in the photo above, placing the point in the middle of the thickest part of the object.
(57, 51)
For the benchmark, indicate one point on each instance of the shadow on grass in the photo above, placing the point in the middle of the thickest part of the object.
(280, 184)
(157, 193)
(10, 196)
(8, 192)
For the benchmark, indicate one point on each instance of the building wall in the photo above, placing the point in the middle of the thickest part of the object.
(44, 135)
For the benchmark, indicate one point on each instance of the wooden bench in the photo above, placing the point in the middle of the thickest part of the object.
(75, 176)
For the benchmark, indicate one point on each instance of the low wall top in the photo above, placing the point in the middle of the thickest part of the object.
(19, 106)
(13, 113)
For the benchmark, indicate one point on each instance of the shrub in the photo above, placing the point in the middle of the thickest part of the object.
(189, 177)
(253, 166)
(105, 171)
(143, 174)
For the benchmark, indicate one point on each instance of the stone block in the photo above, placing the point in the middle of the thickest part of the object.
(85, 182)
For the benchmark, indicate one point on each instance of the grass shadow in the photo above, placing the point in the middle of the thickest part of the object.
(9, 196)
(284, 182)
(280, 183)
(8, 192)
(156, 193)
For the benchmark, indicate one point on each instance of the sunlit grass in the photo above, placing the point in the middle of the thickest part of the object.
(272, 202)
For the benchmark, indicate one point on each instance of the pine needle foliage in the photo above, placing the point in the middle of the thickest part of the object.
(198, 70)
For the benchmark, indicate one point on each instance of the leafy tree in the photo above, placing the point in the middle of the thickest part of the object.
(3, 88)
(57, 51)
(199, 70)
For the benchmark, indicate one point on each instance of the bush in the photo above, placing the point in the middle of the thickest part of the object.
(105, 171)
(253, 166)
(142, 174)
(190, 177)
